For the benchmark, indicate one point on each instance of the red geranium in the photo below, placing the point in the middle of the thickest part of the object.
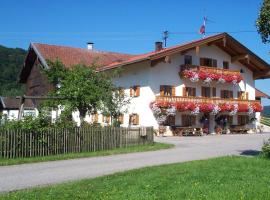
(206, 107)
(257, 107)
(242, 107)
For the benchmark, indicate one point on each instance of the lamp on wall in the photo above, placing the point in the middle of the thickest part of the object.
(242, 71)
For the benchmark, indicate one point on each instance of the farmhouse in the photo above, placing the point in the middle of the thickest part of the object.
(207, 84)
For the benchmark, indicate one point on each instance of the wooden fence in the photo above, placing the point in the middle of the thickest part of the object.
(18, 143)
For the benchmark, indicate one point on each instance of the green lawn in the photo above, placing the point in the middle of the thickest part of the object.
(265, 121)
(140, 148)
(220, 178)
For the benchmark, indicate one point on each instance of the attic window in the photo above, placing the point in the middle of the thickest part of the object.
(188, 60)
(225, 65)
(208, 62)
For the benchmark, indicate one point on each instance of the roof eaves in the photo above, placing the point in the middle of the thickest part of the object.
(123, 64)
(188, 45)
(3, 103)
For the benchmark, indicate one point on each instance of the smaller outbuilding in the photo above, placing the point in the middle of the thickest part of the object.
(10, 106)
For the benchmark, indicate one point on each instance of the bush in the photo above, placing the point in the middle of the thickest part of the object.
(266, 149)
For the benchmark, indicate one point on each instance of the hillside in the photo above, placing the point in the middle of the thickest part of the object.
(11, 61)
(266, 111)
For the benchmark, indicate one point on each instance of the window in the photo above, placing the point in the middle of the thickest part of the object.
(228, 118)
(170, 121)
(167, 90)
(208, 62)
(206, 92)
(189, 92)
(120, 118)
(121, 91)
(95, 118)
(188, 120)
(226, 94)
(243, 120)
(214, 92)
(225, 65)
(188, 60)
(106, 119)
(134, 119)
(135, 91)
(242, 95)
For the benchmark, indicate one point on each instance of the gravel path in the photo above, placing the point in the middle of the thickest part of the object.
(186, 149)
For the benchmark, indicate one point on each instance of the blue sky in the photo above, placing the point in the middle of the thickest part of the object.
(130, 26)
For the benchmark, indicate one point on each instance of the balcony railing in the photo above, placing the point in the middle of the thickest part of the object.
(174, 99)
(207, 69)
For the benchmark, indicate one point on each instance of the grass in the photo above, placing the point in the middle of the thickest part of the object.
(265, 121)
(219, 178)
(140, 148)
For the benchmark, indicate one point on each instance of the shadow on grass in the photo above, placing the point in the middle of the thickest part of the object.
(250, 152)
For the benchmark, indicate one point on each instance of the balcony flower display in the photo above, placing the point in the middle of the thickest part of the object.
(163, 108)
(215, 110)
(207, 76)
(196, 110)
(235, 110)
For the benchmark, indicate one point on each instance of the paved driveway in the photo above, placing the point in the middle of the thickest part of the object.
(186, 149)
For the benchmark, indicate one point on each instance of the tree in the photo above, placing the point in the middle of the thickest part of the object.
(85, 90)
(263, 22)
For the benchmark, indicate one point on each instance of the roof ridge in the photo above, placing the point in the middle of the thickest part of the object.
(83, 49)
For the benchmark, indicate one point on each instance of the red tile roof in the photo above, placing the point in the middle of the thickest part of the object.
(146, 56)
(260, 94)
(71, 56)
(108, 60)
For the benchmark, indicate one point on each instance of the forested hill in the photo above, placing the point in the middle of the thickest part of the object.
(11, 61)
(266, 111)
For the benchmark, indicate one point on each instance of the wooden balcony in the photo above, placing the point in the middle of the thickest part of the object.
(209, 70)
(174, 99)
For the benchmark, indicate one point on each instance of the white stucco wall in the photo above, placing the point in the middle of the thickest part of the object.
(150, 78)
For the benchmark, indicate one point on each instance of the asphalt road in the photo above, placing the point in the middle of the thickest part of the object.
(186, 149)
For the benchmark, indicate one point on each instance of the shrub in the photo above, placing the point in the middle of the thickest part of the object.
(266, 149)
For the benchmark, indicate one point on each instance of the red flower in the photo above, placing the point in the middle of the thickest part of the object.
(257, 107)
(242, 107)
(206, 107)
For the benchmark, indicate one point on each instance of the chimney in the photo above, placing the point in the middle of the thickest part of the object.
(158, 46)
(90, 46)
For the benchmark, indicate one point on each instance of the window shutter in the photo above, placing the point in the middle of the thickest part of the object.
(173, 90)
(130, 119)
(203, 92)
(95, 116)
(246, 95)
(184, 92)
(202, 61)
(131, 91)
(214, 92)
(121, 118)
(194, 92)
(214, 64)
(137, 91)
(222, 92)
(239, 94)
(162, 90)
(136, 119)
